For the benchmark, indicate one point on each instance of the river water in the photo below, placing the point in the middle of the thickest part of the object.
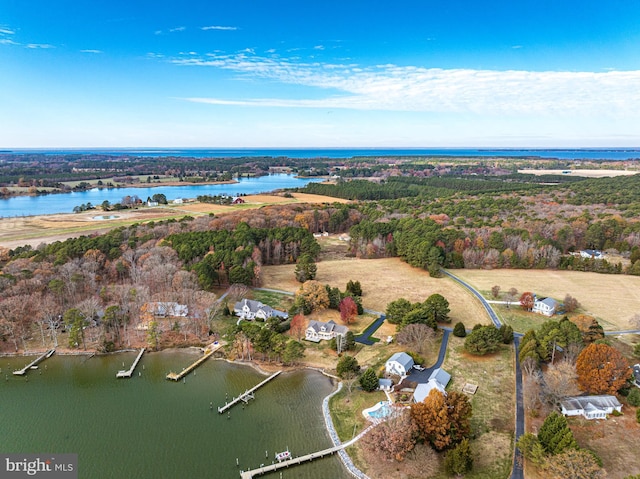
(65, 202)
(149, 427)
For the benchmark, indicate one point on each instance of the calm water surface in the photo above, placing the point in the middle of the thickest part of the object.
(65, 202)
(148, 427)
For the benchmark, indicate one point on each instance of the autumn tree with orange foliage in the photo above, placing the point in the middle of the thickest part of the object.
(348, 310)
(589, 327)
(442, 420)
(297, 326)
(527, 301)
(602, 369)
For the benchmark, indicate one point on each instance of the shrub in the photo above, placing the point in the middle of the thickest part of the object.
(369, 380)
(459, 460)
(634, 397)
(459, 330)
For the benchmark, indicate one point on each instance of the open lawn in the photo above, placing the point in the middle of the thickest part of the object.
(384, 280)
(611, 298)
(493, 405)
(33, 230)
(578, 172)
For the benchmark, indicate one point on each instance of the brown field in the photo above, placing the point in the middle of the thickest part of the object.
(611, 298)
(585, 173)
(33, 230)
(384, 280)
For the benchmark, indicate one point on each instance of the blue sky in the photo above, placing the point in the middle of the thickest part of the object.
(421, 73)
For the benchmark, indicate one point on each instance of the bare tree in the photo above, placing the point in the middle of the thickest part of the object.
(495, 291)
(570, 303)
(511, 296)
(559, 381)
(417, 336)
(533, 391)
(635, 321)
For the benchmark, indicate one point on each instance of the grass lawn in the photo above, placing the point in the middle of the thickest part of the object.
(611, 298)
(384, 280)
(346, 410)
(493, 421)
(279, 301)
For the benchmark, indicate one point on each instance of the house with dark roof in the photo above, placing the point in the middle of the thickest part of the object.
(248, 309)
(590, 407)
(399, 364)
(317, 331)
(546, 306)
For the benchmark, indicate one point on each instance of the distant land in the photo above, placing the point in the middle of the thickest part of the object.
(612, 153)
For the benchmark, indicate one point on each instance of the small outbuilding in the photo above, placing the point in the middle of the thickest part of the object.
(385, 384)
(399, 364)
(590, 407)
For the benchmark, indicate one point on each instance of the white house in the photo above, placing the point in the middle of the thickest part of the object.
(636, 375)
(178, 201)
(317, 331)
(591, 253)
(438, 379)
(385, 384)
(590, 407)
(167, 309)
(546, 306)
(249, 309)
(399, 364)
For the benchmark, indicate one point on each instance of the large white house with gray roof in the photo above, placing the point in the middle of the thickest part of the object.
(317, 331)
(546, 306)
(249, 309)
(438, 379)
(399, 364)
(590, 407)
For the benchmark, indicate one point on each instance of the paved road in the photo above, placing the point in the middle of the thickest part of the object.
(516, 471)
(492, 314)
(365, 336)
(625, 331)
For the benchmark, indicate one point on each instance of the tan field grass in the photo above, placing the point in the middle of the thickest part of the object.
(612, 298)
(493, 405)
(384, 280)
(577, 172)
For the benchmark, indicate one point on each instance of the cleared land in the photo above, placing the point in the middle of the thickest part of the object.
(585, 173)
(612, 298)
(33, 230)
(384, 280)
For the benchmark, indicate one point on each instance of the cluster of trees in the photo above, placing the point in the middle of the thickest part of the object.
(555, 451)
(441, 421)
(433, 310)
(250, 339)
(227, 257)
(486, 339)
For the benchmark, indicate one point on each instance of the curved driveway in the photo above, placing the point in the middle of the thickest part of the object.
(492, 314)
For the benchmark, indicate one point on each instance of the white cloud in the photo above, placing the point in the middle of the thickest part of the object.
(218, 27)
(91, 51)
(319, 47)
(38, 45)
(410, 88)
(8, 41)
(6, 31)
(177, 29)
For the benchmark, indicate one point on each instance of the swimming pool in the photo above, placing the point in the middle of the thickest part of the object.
(380, 411)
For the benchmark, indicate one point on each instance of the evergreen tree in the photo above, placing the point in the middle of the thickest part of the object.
(354, 288)
(459, 460)
(306, 268)
(459, 330)
(369, 380)
(347, 365)
(555, 435)
(507, 333)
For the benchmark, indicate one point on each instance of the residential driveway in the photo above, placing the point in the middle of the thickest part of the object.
(516, 471)
(423, 376)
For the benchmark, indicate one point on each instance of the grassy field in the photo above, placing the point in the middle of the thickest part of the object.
(384, 280)
(578, 172)
(33, 230)
(611, 298)
(493, 405)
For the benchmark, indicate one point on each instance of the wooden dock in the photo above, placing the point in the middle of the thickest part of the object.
(126, 373)
(207, 354)
(294, 461)
(23, 371)
(248, 394)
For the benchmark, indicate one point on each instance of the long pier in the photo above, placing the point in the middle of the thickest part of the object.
(248, 394)
(299, 460)
(208, 353)
(23, 371)
(126, 373)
